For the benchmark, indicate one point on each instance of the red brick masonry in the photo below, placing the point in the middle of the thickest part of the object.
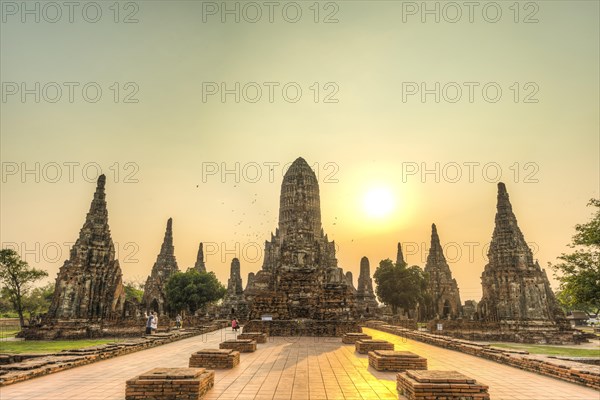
(170, 384)
(448, 385)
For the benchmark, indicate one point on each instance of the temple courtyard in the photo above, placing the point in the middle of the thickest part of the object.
(291, 368)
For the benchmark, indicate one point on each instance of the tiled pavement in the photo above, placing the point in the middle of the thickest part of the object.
(299, 369)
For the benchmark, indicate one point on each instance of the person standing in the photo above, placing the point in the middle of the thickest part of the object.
(178, 321)
(154, 323)
(149, 322)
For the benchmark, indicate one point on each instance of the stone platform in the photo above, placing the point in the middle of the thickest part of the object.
(448, 385)
(170, 384)
(352, 337)
(366, 345)
(259, 337)
(241, 345)
(398, 361)
(215, 358)
(307, 327)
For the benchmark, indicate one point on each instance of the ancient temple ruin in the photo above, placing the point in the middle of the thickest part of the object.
(400, 256)
(442, 288)
(234, 304)
(200, 266)
(89, 284)
(366, 303)
(154, 298)
(514, 285)
(300, 278)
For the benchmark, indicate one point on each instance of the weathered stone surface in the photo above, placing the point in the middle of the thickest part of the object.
(300, 277)
(170, 384)
(89, 284)
(469, 309)
(302, 327)
(442, 288)
(514, 286)
(364, 346)
(366, 303)
(352, 337)
(398, 361)
(200, 266)
(259, 337)
(448, 385)
(215, 359)
(154, 298)
(234, 304)
(400, 255)
(241, 345)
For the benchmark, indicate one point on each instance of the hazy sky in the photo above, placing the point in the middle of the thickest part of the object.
(519, 99)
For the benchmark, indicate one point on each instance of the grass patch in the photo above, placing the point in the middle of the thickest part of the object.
(550, 350)
(9, 332)
(40, 346)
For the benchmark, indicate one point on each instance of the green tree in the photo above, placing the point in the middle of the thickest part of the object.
(192, 290)
(38, 301)
(16, 277)
(399, 285)
(134, 291)
(579, 271)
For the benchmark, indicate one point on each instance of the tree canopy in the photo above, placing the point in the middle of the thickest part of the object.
(16, 278)
(192, 290)
(399, 285)
(579, 271)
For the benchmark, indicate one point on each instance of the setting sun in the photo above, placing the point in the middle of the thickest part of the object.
(378, 202)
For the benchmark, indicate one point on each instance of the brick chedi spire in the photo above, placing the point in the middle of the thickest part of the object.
(89, 284)
(234, 304)
(300, 278)
(400, 256)
(442, 288)
(365, 297)
(199, 265)
(154, 297)
(514, 286)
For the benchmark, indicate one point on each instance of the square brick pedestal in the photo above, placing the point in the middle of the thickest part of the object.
(170, 384)
(241, 345)
(259, 337)
(215, 359)
(351, 338)
(448, 385)
(364, 346)
(389, 360)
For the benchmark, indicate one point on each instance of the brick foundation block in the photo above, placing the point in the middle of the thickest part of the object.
(170, 384)
(259, 337)
(398, 361)
(215, 359)
(241, 345)
(364, 346)
(352, 337)
(448, 385)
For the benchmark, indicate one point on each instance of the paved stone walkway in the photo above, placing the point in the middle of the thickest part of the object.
(292, 368)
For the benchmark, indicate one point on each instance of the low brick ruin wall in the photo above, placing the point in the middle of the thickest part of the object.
(215, 359)
(302, 327)
(364, 346)
(398, 361)
(241, 345)
(19, 367)
(448, 385)
(583, 374)
(534, 332)
(352, 337)
(259, 337)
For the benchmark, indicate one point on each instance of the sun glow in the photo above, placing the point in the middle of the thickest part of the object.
(378, 202)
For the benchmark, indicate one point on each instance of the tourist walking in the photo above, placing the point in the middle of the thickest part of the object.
(149, 321)
(235, 325)
(178, 321)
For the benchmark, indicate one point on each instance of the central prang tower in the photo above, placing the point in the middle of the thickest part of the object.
(299, 276)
